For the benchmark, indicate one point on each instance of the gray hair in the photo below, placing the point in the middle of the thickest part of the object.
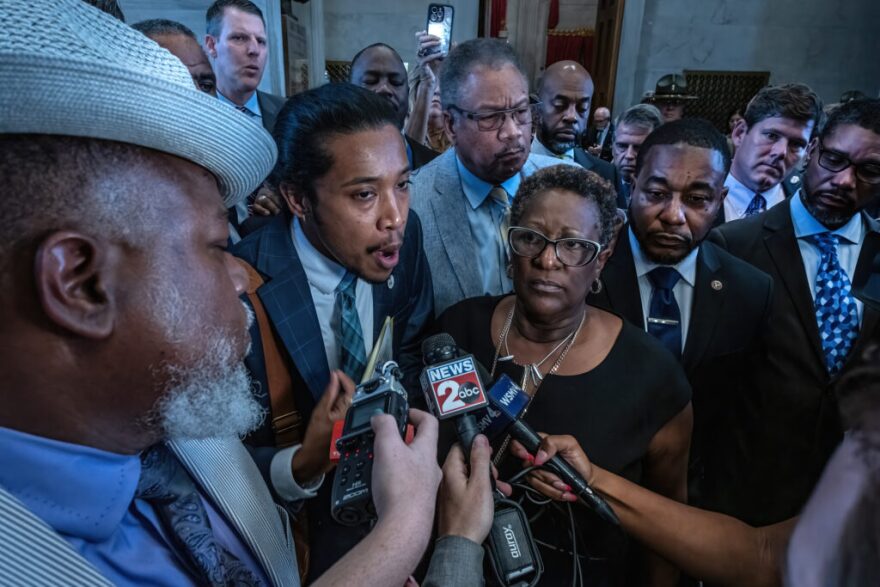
(156, 27)
(643, 116)
(462, 59)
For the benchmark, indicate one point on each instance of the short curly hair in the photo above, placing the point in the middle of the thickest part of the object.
(570, 178)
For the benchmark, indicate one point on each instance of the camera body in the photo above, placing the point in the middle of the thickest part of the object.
(352, 495)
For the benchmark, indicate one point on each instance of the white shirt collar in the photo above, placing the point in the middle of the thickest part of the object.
(322, 273)
(739, 196)
(687, 267)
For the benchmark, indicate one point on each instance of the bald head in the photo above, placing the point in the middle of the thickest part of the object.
(601, 117)
(565, 91)
(380, 69)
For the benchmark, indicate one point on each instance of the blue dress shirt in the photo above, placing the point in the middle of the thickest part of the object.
(484, 217)
(252, 105)
(852, 236)
(87, 496)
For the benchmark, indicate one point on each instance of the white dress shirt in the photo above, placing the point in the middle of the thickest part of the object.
(324, 275)
(683, 289)
(739, 197)
(848, 249)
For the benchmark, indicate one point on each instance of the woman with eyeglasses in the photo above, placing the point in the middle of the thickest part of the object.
(588, 373)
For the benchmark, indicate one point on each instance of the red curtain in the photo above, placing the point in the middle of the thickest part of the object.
(575, 45)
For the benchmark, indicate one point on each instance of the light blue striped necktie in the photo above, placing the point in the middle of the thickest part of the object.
(349, 336)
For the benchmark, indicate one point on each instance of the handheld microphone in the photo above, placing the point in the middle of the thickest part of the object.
(509, 400)
(452, 386)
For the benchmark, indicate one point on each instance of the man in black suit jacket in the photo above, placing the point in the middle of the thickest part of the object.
(791, 421)
(564, 92)
(599, 138)
(379, 68)
(346, 253)
(722, 303)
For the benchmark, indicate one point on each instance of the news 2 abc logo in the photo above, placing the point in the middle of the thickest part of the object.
(456, 386)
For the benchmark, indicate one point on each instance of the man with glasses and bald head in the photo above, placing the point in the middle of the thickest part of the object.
(463, 197)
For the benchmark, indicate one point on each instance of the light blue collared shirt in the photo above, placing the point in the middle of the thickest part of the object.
(485, 216)
(683, 289)
(324, 275)
(88, 497)
(739, 197)
(848, 249)
(252, 105)
(539, 148)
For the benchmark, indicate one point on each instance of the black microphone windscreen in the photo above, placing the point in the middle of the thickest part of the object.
(437, 348)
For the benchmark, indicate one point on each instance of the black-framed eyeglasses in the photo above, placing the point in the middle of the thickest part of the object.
(494, 120)
(571, 252)
(867, 172)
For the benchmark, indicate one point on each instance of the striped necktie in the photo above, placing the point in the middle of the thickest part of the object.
(349, 335)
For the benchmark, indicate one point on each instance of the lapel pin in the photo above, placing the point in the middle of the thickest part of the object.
(716, 285)
(390, 282)
(794, 179)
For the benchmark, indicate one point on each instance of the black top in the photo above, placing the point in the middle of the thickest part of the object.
(613, 411)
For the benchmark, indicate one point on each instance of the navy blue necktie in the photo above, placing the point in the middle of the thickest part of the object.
(664, 317)
(836, 313)
(756, 206)
(350, 335)
(166, 485)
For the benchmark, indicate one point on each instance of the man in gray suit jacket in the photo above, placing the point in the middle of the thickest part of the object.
(125, 392)
(463, 196)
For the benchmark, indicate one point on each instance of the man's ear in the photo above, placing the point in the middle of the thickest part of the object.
(211, 46)
(73, 281)
(449, 124)
(811, 149)
(739, 132)
(295, 201)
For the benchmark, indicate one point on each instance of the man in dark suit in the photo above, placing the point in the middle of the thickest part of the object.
(770, 142)
(346, 253)
(598, 141)
(631, 130)
(704, 304)
(380, 69)
(817, 246)
(565, 91)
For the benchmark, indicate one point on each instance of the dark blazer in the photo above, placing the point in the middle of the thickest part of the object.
(730, 309)
(603, 169)
(421, 154)
(605, 153)
(791, 411)
(270, 106)
(406, 295)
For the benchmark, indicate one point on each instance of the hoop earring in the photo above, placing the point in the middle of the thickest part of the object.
(596, 287)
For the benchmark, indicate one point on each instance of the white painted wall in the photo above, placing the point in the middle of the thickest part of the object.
(351, 25)
(192, 14)
(831, 46)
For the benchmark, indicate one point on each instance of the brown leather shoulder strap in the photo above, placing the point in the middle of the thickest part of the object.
(287, 423)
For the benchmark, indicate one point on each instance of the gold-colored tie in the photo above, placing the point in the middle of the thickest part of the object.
(500, 195)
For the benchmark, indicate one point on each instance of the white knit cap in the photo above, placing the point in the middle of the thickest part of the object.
(67, 68)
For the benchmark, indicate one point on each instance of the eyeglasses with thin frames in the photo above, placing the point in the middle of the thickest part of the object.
(571, 252)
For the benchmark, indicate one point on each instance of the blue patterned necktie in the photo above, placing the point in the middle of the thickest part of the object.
(166, 485)
(756, 206)
(349, 336)
(836, 313)
(664, 318)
